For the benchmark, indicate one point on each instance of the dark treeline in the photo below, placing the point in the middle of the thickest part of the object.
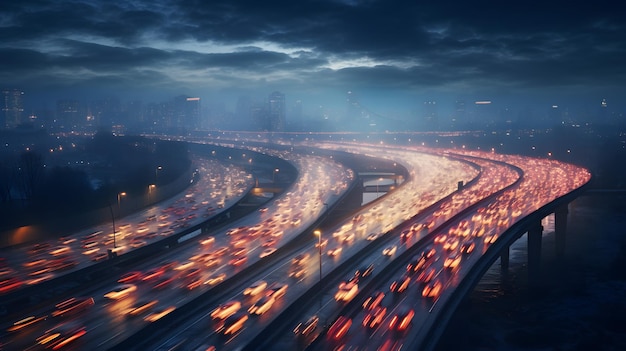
(34, 188)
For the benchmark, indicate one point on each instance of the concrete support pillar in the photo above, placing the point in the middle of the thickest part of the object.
(560, 229)
(534, 253)
(504, 261)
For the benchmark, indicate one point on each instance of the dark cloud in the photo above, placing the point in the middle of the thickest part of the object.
(401, 45)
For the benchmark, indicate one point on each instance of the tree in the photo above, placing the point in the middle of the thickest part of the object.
(30, 173)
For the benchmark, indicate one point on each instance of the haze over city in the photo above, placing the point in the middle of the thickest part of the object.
(393, 56)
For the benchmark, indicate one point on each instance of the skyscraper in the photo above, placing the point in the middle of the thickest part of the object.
(277, 111)
(12, 108)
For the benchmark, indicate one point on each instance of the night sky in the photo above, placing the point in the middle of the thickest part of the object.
(391, 53)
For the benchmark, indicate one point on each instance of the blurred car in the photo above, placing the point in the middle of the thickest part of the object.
(277, 290)
(339, 328)
(452, 261)
(306, 328)
(9, 284)
(467, 248)
(374, 317)
(158, 314)
(238, 261)
(216, 279)
(374, 300)
(26, 322)
(130, 277)
(120, 291)
(372, 236)
(347, 291)
(262, 305)
(72, 306)
(390, 250)
(400, 285)
(233, 324)
(268, 251)
(140, 307)
(300, 259)
(255, 288)
(61, 335)
(432, 289)
(364, 272)
(426, 275)
(226, 309)
(335, 252)
(401, 321)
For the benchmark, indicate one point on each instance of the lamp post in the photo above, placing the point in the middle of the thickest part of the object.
(156, 174)
(378, 182)
(119, 196)
(318, 233)
(276, 170)
(150, 187)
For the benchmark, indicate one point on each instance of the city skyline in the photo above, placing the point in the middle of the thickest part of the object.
(396, 55)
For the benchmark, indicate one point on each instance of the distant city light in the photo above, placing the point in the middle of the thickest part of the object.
(483, 102)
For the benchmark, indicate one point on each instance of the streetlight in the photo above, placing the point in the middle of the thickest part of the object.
(150, 187)
(318, 233)
(156, 174)
(377, 182)
(274, 174)
(119, 196)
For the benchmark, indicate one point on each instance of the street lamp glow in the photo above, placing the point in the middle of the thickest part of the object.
(318, 233)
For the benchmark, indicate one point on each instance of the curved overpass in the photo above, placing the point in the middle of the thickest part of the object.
(530, 224)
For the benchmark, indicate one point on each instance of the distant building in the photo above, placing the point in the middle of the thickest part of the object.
(68, 115)
(430, 117)
(12, 108)
(277, 111)
(186, 114)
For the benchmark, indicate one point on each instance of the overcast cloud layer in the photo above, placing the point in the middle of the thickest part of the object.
(311, 48)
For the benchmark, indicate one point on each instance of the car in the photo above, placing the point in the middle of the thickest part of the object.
(61, 335)
(226, 309)
(153, 274)
(277, 290)
(416, 264)
(233, 324)
(297, 272)
(335, 252)
(400, 285)
(163, 282)
(300, 259)
(72, 306)
(238, 261)
(347, 291)
(262, 305)
(129, 277)
(255, 288)
(364, 272)
(268, 251)
(432, 289)
(306, 328)
(426, 275)
(158, 314)
(140, 307)
(208, 241)
(374, 300)
(26, 322)
(184, 265)
(9, 284)
(216, 279)
(390, 250)
(372, 236)
(120, 292)
(467, 248)
(374, 317)
(452, 261)
(401, 321)
(339, 328)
